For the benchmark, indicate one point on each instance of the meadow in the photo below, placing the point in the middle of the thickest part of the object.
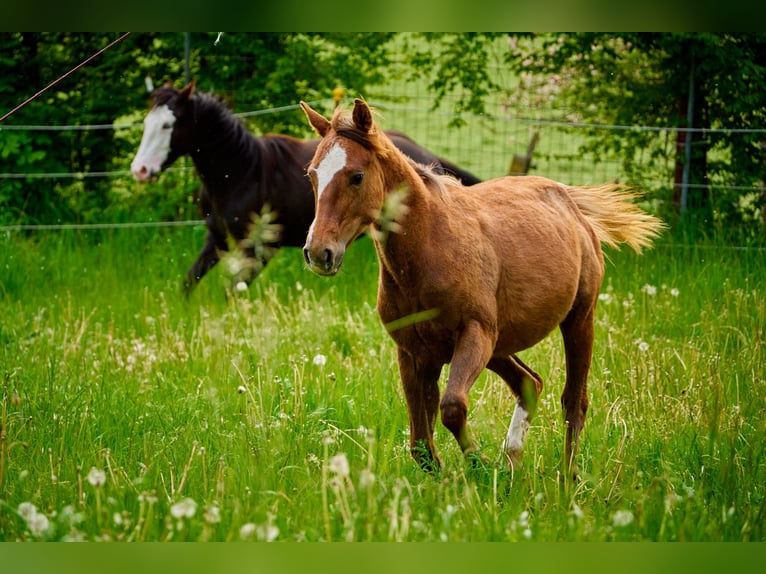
(275, 414)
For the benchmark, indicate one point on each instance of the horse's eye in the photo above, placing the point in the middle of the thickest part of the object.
(166, 126)
(357, 178)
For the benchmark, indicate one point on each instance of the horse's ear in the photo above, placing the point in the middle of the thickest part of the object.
(187, 90)
(362, 116)
(318, 122)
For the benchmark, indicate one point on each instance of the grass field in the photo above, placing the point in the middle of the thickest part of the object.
(131, 414)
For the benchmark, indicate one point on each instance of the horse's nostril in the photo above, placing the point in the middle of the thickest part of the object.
(306, 255)
(328, 259)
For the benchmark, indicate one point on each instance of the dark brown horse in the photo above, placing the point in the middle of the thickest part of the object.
(242, 175)
(468, 278)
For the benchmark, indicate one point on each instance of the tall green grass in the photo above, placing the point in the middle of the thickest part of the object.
(129, 413)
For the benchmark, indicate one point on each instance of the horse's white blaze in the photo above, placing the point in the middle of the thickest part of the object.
(155, 143)
(331, 164)
(513, 445)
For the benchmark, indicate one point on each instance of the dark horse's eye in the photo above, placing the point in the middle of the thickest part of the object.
(357, 178)
(166, 126)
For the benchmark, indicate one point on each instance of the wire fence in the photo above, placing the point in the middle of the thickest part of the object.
(483, 144)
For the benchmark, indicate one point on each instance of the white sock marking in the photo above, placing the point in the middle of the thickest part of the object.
(513, 445)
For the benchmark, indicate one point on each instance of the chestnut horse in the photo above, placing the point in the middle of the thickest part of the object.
(468, 277)
(242, 175)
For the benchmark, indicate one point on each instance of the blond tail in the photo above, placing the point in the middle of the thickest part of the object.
(614, 217)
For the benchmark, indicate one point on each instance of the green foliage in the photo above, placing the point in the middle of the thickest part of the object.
(131, 414)
(637, 79)
(251, 71)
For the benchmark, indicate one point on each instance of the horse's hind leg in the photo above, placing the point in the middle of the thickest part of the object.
(577, 331)
(526, 386)
(421, 390)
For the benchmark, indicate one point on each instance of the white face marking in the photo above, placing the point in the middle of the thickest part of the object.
(331, 164)
(155, 143)
(513, 445)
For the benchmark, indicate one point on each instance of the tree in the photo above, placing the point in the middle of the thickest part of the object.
(641, 79)
(250, 71)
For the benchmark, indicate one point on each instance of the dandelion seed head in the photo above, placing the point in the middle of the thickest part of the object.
(241, 389)
(212, 514)
(241, 286)
(246, 531)
(96, 477)
(339, 465)
(267, 532)
(622, 518)
(185, 508)
(38, 524)
(366, 478)
(650, 290)
(27, 510)
(320, 360)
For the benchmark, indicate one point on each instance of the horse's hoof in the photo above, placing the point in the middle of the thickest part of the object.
(477, 460)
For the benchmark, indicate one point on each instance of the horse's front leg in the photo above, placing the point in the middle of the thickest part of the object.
(421, 390)
(472, 352)
(206, 260)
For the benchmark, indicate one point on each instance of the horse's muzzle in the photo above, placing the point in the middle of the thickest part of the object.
(323, 261)
(144, 173)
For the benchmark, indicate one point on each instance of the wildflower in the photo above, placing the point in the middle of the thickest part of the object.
(247, 530)
(577, 511)
(622, 518)
(267, 532)
(605, 297)
(366, 478)
(96, 477)
(643, 346)
(339, 465)
(674, 292)
(241, 389)
(527, 533)
(38, 524)
(649, 289)
(212, 515)
(320, 360)
(184, 509)
(27, 510)
(241, 286)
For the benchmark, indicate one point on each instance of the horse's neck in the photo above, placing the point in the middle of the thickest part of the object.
(221, 148)
(415, 211)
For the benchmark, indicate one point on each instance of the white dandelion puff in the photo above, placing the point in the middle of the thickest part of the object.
(339, 465)
(185, 508)
(622, 518)
(96, 477)
(320, 360)
(649, 289)
(246, 531)
(212, 515)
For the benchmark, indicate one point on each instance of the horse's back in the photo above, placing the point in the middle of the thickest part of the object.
(538, 254)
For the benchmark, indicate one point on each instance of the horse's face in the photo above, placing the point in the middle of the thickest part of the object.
(348, 189)
(163, 138)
